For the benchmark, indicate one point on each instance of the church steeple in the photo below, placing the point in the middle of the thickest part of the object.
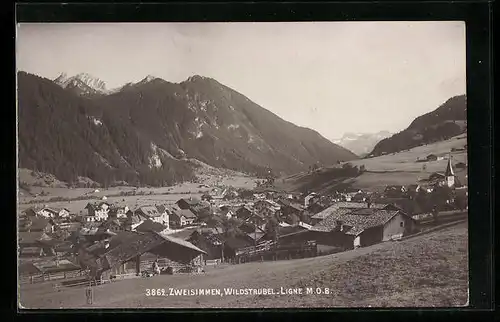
(449, 173)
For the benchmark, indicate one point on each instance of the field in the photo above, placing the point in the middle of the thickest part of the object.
(166, 195)
(429, 270)
(392, 169)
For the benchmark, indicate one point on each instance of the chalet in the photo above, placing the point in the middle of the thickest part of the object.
(30, 244)
(134, 252)
(53, 213)
(367, 226)
(131, 221)
(187, 203)
(37, 224)
(118, 212)
(226, 212)
(289, 207)
(252, 232)
(317, 218)
(266, 208)
(212, 244)
(236, 246)
(244, 213)
(97, 211)
(182, 217)
(157, 214)
(112, 224)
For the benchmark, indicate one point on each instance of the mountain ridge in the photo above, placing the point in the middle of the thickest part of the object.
(446, 121)
(144, 132)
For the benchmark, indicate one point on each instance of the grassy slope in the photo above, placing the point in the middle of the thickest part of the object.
(428, 270)
(397, 168)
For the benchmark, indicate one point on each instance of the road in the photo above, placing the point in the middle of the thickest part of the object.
(132, 293)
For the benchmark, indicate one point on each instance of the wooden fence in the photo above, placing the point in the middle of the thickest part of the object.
(44, 277)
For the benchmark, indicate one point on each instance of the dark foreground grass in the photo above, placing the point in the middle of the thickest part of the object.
(424, 272)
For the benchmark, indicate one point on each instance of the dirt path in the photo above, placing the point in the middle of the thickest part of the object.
(309, 272)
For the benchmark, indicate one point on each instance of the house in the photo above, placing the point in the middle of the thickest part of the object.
(368, 226)
(48, 212)
(182, 218)
(187, 203)
(212, 244)
(30, 244)
(226, 212)
(118, 212)
(37, 224)
(267, 207)
(157, 214)
(134, 252)
(97, 211)
(244, 213)
(317, 218)
(394, 191)
(131, 221)
(251, 232)
(112, 224)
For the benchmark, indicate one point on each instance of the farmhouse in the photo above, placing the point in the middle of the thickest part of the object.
(132, 221)
(133, 252)
(36, 224)
(187, 203)
(368, 226)
(30, 244)
(157, 214)
(53, 213)
(97, 211)
(211, 243)
(315, 219)
(182, 217)
(118, 212)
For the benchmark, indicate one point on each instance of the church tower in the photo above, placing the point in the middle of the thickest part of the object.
(449, 173)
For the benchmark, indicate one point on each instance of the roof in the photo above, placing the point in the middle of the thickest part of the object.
(38, 223)
(190, 201)
(187, 213)
(346, 205)
(161, 208)
(52, 267)
(149, 225)
(32, 237)
(358, 220)
(180, 242)
(149, 211)
(212, 238)
(237, 243)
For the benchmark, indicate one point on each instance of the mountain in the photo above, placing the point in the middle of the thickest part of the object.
(146, 132)
(361, 143)
(82, 84)
(448, 120)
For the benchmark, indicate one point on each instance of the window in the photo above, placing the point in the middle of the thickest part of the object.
(402, 224)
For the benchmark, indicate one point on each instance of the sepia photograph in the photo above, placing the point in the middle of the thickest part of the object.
(242, 165)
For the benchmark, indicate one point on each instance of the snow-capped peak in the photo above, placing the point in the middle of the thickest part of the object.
(92, 81)
(86, 83)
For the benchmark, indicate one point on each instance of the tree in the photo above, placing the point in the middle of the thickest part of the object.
(272, 227)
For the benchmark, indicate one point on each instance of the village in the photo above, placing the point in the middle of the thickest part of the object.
(106, 242)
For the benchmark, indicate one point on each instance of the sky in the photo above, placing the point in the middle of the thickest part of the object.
(333, 77)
